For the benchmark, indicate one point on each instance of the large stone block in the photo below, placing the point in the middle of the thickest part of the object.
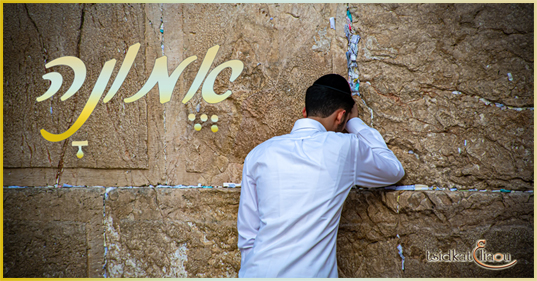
(284, 48)
(439, 79)
(53, 232)
(171, 232)
(36, 34)
(45, 249)
(425, 223)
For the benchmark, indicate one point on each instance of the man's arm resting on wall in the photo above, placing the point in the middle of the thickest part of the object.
(248, 217)
(376, 165)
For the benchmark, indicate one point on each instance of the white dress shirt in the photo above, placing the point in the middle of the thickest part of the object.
(292, 193)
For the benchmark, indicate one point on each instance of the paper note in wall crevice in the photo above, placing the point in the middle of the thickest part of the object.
(231, 185)
(400, 248)
(353, 75)
(347, 32)
(355, 39)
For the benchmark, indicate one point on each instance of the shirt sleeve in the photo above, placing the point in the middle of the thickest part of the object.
(248, 217)
(375, 163)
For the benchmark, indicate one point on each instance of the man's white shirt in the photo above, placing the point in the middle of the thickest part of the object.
(292, 192)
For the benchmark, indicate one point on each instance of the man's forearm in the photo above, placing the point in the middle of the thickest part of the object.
(370, 135)
(377, 165)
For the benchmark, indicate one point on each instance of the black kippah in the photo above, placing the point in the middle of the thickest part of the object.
(332, 88)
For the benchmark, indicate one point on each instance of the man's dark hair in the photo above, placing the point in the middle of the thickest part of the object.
(328, 94)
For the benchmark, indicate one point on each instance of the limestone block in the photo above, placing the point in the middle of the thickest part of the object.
(428, 72)
(433, 221)
(39, 33)
(53, 232)
(172, 232)
(284, 48)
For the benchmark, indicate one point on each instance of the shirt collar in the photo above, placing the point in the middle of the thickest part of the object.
(308, 124)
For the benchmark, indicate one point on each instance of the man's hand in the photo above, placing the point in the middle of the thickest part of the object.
(354, 111)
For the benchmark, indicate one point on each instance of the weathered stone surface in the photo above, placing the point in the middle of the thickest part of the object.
(423, 70)
(116, 132)
(172, 233)
(53, 232)
(433, 221)
(267, 97)
(192, 233)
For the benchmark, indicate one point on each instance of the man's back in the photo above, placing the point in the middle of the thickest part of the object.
(293, 190)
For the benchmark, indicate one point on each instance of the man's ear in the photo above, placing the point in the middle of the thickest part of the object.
(340, 116)
(304, 112)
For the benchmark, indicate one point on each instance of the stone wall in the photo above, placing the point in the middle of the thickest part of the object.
(164, 232)
(53, 232)
(449, 86)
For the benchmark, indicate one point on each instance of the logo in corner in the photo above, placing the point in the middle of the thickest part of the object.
(483, 258)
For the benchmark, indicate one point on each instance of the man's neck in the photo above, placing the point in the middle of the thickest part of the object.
(324, 121)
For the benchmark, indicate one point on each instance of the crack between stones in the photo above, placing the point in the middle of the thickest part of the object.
(292, 15)
(29, 17)
(43, 49)
(105, 261)
(82, 18)
(483, 100)
(65, 143)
